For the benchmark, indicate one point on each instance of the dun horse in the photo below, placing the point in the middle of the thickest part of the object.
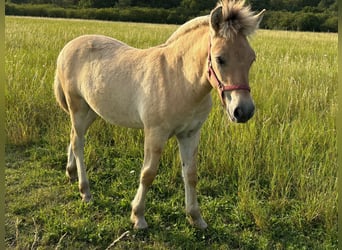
(164, 90)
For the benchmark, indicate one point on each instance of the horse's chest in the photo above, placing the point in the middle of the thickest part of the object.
(191, 122)
(188, 128)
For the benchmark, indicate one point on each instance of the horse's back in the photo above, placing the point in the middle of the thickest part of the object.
(88, 47)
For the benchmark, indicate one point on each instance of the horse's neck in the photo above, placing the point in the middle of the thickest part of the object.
(191, 49)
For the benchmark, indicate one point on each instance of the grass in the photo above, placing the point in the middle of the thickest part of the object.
(268, 184)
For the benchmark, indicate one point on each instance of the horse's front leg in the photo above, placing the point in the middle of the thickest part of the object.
(153, 146)
(188, 144)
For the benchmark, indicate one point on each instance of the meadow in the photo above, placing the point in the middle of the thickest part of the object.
(267, 184)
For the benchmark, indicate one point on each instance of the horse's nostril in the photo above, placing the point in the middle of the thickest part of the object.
(238, 113)
(243, 115)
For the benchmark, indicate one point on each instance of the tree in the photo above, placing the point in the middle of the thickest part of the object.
(259, 4)
(308, 21)
(326, 3)
(97, 3)
(157, 3)
(123, 3)
(198, 5)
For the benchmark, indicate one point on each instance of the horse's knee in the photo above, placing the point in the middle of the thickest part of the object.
(148, 175)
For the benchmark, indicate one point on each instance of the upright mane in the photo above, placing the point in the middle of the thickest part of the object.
(237, 18)
(229, 18)
(187, 27)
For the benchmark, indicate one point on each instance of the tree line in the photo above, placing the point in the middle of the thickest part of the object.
(304, 15)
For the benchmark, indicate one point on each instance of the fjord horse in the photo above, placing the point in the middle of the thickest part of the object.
(164, 90)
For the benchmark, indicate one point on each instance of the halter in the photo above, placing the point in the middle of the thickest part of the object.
(221, 88)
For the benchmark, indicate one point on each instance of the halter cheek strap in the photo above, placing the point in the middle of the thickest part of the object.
(221, 88)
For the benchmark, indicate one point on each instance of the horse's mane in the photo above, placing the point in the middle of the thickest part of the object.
(187, 27)
(237, 16)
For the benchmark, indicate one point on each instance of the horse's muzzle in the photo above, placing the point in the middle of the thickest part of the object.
(243, 114)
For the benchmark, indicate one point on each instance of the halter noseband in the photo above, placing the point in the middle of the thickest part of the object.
(219, 85)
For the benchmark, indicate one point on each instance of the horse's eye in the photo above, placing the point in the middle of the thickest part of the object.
(220, 60)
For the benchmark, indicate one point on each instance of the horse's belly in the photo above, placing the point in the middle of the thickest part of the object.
(117, 113)
(123, 120)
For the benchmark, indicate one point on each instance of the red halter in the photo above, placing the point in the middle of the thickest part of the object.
(219, 85)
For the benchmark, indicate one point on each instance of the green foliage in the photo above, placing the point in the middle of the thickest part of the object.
(267, 184)
(195, 5)
(307, 21)
(300, 21)
(299, 15)
(198, 4)
(133, 14)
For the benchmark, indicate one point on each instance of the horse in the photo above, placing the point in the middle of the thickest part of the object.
(164, 90)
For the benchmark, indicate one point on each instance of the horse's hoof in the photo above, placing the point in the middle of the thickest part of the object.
(199, 224)
(139, 223)
(86, 197)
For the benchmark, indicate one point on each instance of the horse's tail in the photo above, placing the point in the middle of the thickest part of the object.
(59, 94)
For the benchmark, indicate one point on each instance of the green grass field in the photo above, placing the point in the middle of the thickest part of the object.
(267, 184)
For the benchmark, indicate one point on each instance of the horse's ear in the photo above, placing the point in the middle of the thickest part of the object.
(216, 18)
(259, 17)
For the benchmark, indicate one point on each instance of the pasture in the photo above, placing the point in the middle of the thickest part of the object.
(267, 184)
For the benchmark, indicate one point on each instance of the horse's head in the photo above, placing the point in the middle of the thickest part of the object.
(230, 56)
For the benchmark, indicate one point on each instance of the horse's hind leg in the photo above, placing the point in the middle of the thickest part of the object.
(71, 168)
(188, 143)
(81, 118)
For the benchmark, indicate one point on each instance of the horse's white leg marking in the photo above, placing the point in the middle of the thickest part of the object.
(71, 168)
(188, 144)
(153, 146)
(82, 117)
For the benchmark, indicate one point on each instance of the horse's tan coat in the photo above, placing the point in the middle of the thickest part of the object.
(164, 90)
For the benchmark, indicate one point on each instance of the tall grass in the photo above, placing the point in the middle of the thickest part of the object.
(270, 183)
